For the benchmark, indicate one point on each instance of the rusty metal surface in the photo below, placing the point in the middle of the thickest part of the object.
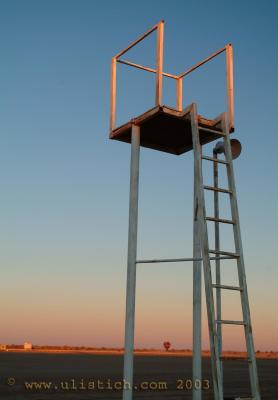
(165, 129)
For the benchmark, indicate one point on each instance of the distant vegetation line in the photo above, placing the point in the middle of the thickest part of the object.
(267, 354)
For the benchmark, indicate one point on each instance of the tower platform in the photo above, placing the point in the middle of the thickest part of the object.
(167, 129)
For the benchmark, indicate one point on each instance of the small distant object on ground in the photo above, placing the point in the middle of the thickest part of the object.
(167, 345)
(27, 346)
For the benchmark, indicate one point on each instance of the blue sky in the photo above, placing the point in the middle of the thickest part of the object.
(64, 186)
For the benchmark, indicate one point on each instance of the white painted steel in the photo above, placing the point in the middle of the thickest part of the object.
(198, 176)
(241, 267)
(217, 261)
(131, 263)
(197, 297)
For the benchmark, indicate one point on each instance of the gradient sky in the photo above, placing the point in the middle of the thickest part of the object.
(64, 186)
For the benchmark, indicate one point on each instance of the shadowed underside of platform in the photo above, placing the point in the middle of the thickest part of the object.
(166, 129)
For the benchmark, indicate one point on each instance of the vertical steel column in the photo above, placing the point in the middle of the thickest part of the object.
(217, 261)
(159, 63)
(197, 299)
(113, 93)
(215, 365)
(131, 263)
(179, 94)
(230, 85)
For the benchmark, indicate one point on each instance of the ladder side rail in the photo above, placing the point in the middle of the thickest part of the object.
(240, 264)
(215, 360)
(217, 261)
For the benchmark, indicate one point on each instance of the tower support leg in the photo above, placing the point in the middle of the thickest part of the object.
(131, 264)
(197, 301)
(215, 365)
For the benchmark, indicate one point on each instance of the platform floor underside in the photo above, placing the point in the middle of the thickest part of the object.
(166, 129)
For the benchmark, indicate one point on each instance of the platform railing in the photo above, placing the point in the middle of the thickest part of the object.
(228, 49)
(159, 27)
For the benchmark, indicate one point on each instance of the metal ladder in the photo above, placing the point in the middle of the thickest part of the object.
(214, 316)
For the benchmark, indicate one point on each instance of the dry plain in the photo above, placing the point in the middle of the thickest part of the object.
(83, 376)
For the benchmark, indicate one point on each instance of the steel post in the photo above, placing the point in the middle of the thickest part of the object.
(216, 372)
(217, 261)
(197, 299)
(131, 264)
(159, 63)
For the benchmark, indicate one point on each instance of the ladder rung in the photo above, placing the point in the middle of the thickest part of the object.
(224, 253)
(202, 128)
(224, 221)
(216, 189)
(215, 160)
(222, 258)
(167, 260)
(217, 286)
(230, 322)
(170, 260)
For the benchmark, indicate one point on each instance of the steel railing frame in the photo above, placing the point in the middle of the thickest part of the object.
(159, 27)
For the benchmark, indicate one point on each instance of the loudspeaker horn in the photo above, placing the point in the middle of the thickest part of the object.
(235, 147)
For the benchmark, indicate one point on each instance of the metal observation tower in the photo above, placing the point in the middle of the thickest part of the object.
(176, 131)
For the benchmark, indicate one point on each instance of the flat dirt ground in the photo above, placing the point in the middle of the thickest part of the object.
(72, 377)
